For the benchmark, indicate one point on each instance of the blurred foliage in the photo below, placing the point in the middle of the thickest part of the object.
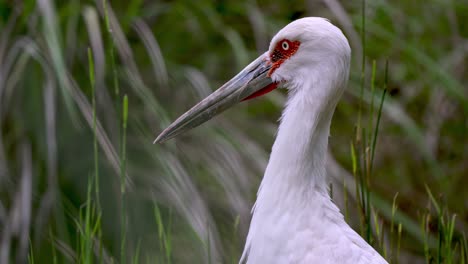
(167, 55)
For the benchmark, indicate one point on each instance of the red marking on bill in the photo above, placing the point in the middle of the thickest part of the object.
(262, 91)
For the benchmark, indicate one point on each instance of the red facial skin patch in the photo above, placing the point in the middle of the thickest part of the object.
(284, 50)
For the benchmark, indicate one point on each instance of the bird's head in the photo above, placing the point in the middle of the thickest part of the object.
(306, 47)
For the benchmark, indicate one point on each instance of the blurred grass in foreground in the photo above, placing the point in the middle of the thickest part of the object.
(73, 166)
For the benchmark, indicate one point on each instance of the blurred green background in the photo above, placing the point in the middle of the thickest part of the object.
(71, 172)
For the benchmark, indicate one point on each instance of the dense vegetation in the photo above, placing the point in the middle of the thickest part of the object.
(86, 86)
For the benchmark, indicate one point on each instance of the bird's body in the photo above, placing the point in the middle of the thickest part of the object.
(294, 219)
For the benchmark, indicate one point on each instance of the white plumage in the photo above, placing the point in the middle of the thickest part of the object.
(294, 219)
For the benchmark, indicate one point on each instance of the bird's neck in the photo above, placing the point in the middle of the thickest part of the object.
(296, 169)
(293, 196)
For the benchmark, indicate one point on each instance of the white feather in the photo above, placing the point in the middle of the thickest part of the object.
(294, 219)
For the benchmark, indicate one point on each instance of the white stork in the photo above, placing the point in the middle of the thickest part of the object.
(294, 220)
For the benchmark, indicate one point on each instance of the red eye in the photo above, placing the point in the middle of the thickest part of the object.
(285, 45)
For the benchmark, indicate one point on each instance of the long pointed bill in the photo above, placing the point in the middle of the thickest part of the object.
(252, 81)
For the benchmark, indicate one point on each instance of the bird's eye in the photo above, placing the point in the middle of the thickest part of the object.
(283, 50)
